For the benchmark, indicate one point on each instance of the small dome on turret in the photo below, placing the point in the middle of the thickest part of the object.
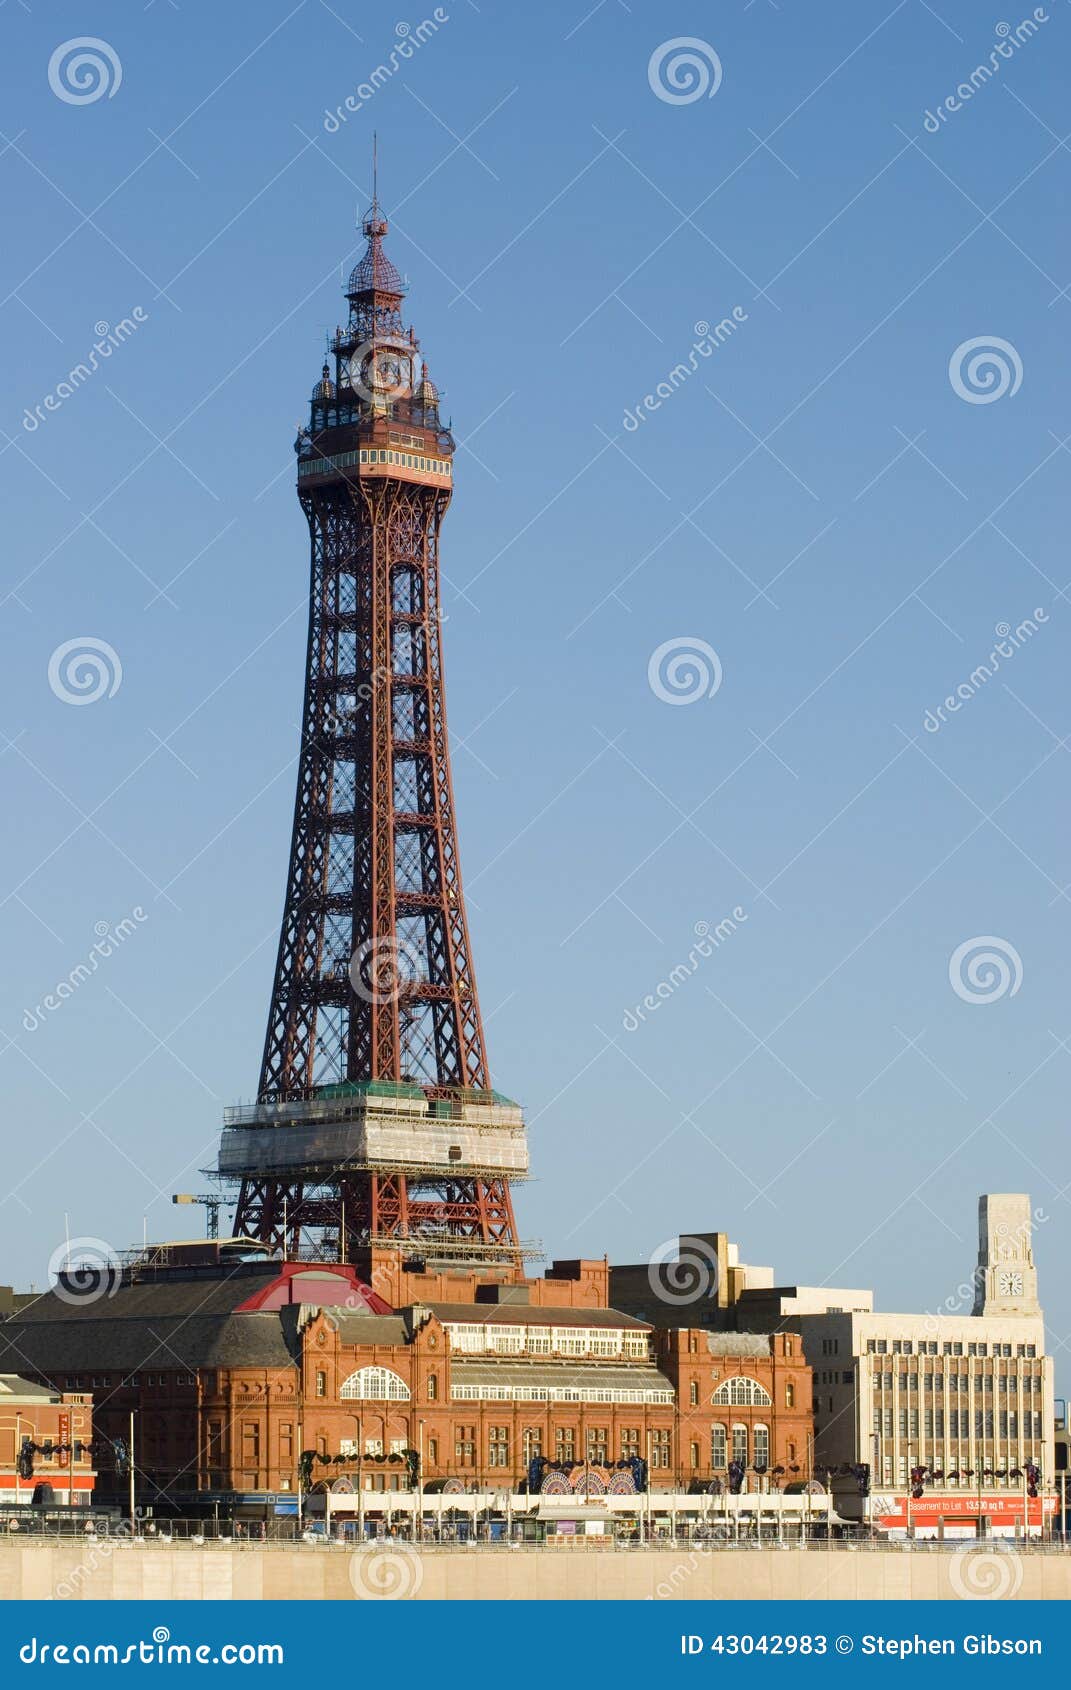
(427, 393)
(325, 387)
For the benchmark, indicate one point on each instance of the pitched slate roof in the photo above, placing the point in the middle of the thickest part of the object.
(370, 1328)
(581, 1375)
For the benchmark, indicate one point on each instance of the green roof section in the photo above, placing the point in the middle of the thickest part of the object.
(410, 1089)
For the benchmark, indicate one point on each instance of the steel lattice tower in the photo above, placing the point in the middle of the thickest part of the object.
(375, 1122)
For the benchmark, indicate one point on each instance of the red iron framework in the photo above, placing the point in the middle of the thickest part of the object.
(375, 1122)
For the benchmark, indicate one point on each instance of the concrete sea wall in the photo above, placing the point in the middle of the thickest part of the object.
(183, 1572)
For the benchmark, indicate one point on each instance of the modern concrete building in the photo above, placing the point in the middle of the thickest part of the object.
(962, 1401)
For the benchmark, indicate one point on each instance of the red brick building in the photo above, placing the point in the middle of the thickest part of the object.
(52, 1432)
(236, 1371)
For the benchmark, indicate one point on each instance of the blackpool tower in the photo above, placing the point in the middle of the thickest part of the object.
(375, 1127)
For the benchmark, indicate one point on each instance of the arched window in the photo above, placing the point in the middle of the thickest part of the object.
(742, 1392)
(433, 1387)
(760, 1446)
(718, 1447)
(740, 1444)
(790, 1396)
(375, 1384)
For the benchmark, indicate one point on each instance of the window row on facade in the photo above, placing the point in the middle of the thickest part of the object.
(475, 1338)
(1007, 1423)
(949, 1347)
(1003, 1384)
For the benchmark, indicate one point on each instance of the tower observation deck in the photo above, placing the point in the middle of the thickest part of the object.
(375, 1124)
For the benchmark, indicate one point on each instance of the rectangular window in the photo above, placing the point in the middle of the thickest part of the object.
(598, 1444)
(498, 1446)
(564, 1443)
(740, 1444)
(660, 1449)
(630, 1442)
(465, 1446)
(321, 1384)
(433, 1452)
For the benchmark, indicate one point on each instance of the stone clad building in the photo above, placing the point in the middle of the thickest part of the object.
(250, 1376)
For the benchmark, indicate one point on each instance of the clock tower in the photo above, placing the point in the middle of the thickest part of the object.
(1005, 1280)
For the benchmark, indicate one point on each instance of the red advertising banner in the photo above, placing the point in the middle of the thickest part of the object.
(959, 1508)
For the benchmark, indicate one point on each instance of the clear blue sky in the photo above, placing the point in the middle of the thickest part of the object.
(816, 503)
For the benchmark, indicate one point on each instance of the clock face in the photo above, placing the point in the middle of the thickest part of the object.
(1009, 1284)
